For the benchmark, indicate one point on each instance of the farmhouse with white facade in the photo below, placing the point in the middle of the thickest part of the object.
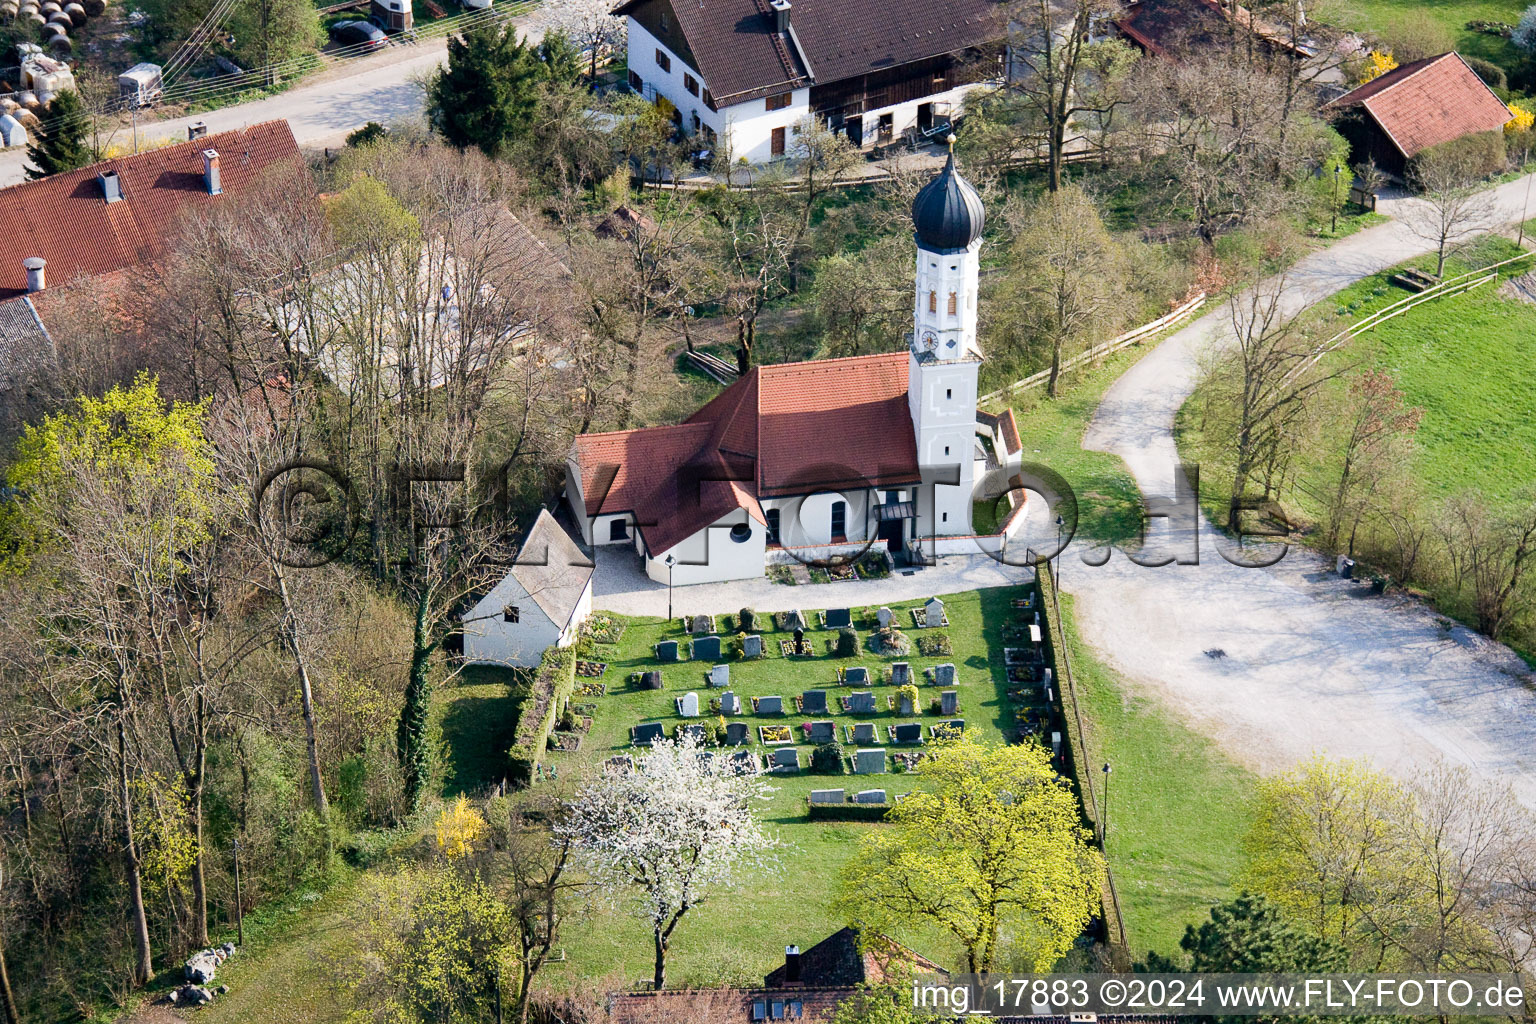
(743, 73)
(541, 603)
(813, 459)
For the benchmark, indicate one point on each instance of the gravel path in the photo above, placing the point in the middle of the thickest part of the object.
(1308, 663)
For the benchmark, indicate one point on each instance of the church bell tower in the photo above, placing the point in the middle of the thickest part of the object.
(945, 359)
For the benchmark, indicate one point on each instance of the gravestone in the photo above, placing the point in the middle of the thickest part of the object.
(955, 726)
(645, 735)
(770, 705)
(795, 620)
(799, 639)
(944, 675)
(821, 732)
(786, 759)
(864, 732)
(730, 704)
(694, 732)
(1047, 679)
(1034, 634)
(856, 676)
(933, 613)
(650, 680)
(868, 762)
(666, 650)
(737, 734)
(907, 732)
(720, 675)
(814, 702)
(884, 616)
(701, 624)
(870, 796)
(949, 702)
(746, 763)
(1055, 744)
(862, 702)
(706, 648)
(837, 618)
(688, 705)
(906, 704)
(752, 646)
(829, 796)
(620, 763)
(901, 673)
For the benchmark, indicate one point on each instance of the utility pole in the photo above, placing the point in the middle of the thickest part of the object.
(239, 911)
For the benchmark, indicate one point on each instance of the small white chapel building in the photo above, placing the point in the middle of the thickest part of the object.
(541, 603)
(813, 459)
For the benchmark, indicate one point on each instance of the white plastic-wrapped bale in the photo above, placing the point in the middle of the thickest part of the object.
(76, 14)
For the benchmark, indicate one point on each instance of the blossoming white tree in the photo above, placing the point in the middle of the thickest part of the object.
(591, 26)
(675, 828)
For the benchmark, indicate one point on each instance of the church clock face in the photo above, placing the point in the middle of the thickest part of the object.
(930, 340)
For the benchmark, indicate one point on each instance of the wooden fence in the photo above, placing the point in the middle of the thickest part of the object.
(1099, 351)
(1083, 764)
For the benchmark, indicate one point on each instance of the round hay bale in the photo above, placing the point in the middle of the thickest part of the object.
(8, 105)
(28, 120)
(27, 98)
(36, 19)
(51, 8)
(58, 23)
(8, 10)
(61, 44)
(76, 14)
(95, 8)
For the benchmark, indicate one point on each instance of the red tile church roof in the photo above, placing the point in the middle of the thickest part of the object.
(792, 428)
(1428, 102)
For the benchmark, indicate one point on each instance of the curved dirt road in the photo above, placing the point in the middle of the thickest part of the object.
(1308, 663)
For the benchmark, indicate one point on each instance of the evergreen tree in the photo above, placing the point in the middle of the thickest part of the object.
(1247, 935)
(562, 61)
(64, 145)
(487, 96)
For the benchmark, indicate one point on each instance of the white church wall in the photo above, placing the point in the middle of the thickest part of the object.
(712, 555)
(490, 640)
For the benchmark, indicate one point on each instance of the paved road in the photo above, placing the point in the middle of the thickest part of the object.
(383, 87)
(1311, 663)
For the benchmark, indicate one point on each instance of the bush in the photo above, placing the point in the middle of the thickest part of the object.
(746, 620)
(828, 759)
(1474, 157)
(1492, 75)
(551, 688)
(847, 642)
(910, 693)
(847, 812)
(368, 133)
(1524, 35)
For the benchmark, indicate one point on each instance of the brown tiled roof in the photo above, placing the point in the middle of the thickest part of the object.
(792, 428)
(1429, 101)
(721, 1005)
(1168, 27)
(837, 961)
(64, 219)
(741, 54)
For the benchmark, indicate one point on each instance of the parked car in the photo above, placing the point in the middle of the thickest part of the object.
(365, 35)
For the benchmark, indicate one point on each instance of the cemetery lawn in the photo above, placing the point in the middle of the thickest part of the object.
(1177, 806)
(1109, 503)
(740, 935)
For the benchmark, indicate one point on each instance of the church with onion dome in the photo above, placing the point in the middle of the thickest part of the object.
(812, 461)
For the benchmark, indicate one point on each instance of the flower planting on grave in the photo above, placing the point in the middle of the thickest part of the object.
(934, 645)
(604, 629)
(892, 642)
(776, 734)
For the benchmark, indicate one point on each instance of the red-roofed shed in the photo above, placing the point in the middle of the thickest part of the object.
(1395, 117)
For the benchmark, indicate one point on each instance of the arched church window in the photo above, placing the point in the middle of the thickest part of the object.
(933, 302)
(954, 303)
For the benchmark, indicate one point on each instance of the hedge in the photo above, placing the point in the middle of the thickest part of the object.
(552, 686)
(1478, 155)
(846, 812)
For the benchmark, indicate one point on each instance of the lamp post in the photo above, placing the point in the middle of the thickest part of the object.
(1337, 172)
(1061, 525)
(1104, 817)
(670, 561)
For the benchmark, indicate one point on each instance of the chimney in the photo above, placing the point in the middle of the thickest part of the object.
(780, 14)
(111, 186)
(211, 172)
(791, 953)
(196, 130)
(35, 265)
